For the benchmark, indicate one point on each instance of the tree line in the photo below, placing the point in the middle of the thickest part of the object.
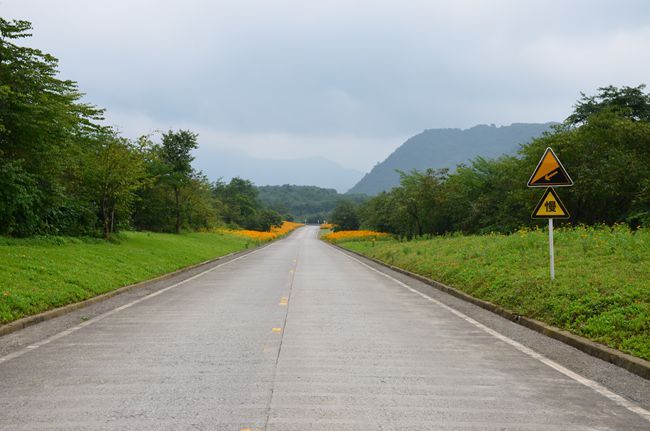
(604, 145)
(304, 203)
(62, 172)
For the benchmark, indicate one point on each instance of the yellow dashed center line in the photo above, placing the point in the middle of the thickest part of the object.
(276, 329)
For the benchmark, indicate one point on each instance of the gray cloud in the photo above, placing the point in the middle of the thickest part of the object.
(348, 80)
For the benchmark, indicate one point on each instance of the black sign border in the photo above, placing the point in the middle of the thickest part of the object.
(557, 199)
(564, 171)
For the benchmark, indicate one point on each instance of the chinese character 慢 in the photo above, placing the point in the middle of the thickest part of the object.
(550, 206)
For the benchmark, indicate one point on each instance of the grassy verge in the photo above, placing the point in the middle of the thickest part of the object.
(39, 274)
(602, 286)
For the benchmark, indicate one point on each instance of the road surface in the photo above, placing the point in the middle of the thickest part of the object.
(295, 336)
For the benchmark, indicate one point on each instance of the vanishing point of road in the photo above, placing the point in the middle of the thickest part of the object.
(301, 336)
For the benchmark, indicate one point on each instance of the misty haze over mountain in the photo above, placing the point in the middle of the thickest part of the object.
(317, 171)
(433, 148)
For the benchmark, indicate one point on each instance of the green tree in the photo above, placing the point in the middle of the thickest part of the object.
(202, 210)
(267, 219)
(629, 102)
(116, 170)
(345, 216)
(19, 197)
(418, 197)
(239, 197)
(42, 129)
(176, 154)
(379, 213)
(607, 158)
(159, 204)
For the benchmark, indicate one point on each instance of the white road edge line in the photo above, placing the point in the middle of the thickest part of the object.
(96, 319)
(623, 402)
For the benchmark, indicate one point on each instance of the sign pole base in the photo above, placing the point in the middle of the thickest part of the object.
(551, 248)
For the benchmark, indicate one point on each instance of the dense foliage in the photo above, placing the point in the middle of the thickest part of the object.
(45, 135)
(344, 216)
(304, 203)
(62, 172)
(604, 145)
(242, 206)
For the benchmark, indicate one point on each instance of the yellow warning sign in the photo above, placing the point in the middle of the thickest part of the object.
(550, 206)
(550, 172)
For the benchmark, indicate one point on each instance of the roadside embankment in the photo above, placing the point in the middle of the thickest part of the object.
(40, 274)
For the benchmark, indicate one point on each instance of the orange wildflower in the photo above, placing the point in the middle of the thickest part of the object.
(354, 234)
(276, 232)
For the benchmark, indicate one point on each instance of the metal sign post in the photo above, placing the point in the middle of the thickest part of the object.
(550, 246)
(550, 172)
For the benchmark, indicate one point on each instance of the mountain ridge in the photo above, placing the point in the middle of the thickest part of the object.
(446, 148)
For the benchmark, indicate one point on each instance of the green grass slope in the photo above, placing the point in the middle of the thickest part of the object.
(602, 286)
(44, 273)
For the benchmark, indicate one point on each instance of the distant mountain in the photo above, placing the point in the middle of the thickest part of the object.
(316, 171)
(446, 148)
(303, 202)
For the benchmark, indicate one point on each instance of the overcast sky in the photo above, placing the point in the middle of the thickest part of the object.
(347, 80)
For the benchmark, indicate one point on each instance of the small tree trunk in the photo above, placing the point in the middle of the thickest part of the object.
(105, 220)
(178, 210)
(113, 219)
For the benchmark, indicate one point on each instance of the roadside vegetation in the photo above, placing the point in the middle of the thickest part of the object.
(75, 195)
(275, 233)
(601, 290)
(41, 273)
(344, 235)
(304, 203)
(604, 145)
(64, 172)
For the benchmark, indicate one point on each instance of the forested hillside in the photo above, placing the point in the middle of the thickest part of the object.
(604, 145)
(303, 202)
(440, 148)
(63, 172)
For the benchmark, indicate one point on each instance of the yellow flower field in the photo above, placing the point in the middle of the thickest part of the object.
(353, 234)
(276, 232)
(327, 226)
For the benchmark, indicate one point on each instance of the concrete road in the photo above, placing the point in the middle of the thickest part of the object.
(300, 336)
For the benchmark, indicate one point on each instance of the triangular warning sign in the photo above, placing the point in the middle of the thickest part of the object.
(550, 172)
(550, 206)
